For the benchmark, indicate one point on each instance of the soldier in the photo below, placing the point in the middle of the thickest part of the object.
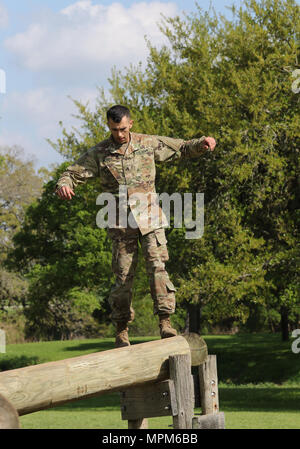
(128, 159)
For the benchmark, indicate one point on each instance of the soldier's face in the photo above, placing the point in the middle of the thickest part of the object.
(120, 131)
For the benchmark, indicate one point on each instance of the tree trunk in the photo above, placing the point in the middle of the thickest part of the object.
(284, 323)
(194, 313)
(194, 326)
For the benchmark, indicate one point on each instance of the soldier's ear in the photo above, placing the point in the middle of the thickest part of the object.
(131, 123)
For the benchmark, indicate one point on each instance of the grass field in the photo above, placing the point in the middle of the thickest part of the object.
(259, 384)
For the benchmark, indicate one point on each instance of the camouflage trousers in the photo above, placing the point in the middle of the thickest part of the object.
(124, 263)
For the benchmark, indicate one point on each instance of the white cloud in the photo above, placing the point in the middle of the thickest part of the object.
(69, 53)
(45, 105)
(3, 17)
(29, 118)
(87, 36)
(34, 148)
(9, 139)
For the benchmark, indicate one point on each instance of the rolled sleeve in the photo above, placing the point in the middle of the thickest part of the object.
(84, 168)
(170, 149)
(193, 148)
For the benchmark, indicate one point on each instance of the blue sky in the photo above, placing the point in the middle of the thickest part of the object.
(50, 49)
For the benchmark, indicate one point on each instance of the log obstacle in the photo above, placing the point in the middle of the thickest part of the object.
(177, 397)
(159, 368)
(38, 387)
(173, 397)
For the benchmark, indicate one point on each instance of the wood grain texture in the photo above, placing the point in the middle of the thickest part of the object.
(198, 347)
(9, 418)
(138, 423)
(180, 374)
(50, 384)
(148, 401)
(208, 378)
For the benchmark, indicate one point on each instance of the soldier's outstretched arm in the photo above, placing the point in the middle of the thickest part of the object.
(65, 192)
(196, 147)
(84, 168)
(169, 149)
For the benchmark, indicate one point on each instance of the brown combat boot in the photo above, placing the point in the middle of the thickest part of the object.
(122, 335)
(166, 330)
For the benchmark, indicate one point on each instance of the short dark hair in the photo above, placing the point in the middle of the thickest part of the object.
(117, 112)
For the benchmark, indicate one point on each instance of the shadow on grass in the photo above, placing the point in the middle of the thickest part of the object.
(244, 359)
(92, 346)
(104, 345)
(246, 399)
(110, 401)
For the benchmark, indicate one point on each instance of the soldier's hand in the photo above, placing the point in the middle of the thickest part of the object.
(65, 193)
(209, 143)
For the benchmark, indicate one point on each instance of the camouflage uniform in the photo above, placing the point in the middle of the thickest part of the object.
(133, 165)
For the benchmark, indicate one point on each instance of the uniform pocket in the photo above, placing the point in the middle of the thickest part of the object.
(161, 242)
(170, 286)
(160, 236)
(115, 253)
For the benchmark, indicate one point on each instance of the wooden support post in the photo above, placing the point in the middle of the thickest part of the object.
(173, 397)
(212, 421)
(208, 378)
(138, 423)
(148, 401)
(180, 374)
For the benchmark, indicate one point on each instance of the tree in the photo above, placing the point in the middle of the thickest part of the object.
(19, 186)
(67, 261)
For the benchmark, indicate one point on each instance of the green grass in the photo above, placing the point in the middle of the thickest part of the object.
(254, 358)
(245, 407)
(57, 350)
(259, 384)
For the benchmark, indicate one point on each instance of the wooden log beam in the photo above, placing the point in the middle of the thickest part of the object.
(38, 387)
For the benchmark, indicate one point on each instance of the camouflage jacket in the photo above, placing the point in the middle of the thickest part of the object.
(132, 165)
